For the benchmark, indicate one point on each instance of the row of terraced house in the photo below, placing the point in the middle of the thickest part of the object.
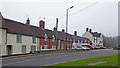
(19, 38)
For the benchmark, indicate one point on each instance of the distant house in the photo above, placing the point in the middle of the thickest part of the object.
(95, 37)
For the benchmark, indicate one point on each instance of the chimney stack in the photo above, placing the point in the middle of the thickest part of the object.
(63, 30)
(87, 29)
(90, 30)
(28, 21)
(75, 33)
(54, 29)
(42, 24)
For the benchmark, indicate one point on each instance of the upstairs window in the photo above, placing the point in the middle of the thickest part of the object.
(95, 39)
(78, 41)
(81, 41)
(18, 38)
(34, 40)
(45, 37)
(63, 38)
(85, 41)
(53, 38)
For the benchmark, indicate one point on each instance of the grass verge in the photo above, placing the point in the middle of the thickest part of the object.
(111, 62)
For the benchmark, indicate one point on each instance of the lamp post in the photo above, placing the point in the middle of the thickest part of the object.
(67, 23)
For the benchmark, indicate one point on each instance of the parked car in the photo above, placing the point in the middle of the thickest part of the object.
(86, 48)
(79, 47)
(89, 46)
(97, 47)
(101, 47)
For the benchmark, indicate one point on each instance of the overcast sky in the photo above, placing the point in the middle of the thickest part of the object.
(99, 15)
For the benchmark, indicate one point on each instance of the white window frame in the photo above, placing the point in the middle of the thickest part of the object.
(53, 38)
(62, 47)
(34, 40)
(53, 47)
(45, 37)
(81, 41)
(45, 46)
(19, 38)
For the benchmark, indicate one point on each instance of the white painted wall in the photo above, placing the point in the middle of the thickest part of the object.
(89, 36)
(17, 47)
(3, 41)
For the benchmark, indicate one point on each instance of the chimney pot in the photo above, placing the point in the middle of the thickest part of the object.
(42, 24)
(75, 33)
(90, 30)
(54, 29)
(87, 29)
(28, 21)
(63, 30)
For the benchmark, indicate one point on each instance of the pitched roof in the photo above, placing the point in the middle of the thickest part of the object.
(95, 34)
(30, 30)
(20, 28)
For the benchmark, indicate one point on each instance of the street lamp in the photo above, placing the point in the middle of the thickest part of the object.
(67, 23)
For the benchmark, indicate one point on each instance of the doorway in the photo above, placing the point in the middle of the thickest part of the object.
(9, 49)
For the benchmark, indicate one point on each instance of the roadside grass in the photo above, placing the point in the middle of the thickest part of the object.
(111, 62)
(60, 51)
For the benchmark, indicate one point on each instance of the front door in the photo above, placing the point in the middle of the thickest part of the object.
(9, 48)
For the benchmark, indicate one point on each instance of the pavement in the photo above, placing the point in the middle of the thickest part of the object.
(51, 59)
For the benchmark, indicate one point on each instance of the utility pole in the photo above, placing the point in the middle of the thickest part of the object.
(56, 32)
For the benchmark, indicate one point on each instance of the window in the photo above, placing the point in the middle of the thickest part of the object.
(34, 39)
(85, 41)
(23, 49)
(62, 46)
(19, 39)
(53, 38)
(81, 41)
(101, 41)
(78, 41)
(53, 47)
(33, 48)
(67, 46)
(68, 39)
(45, 46)
(46, 37)
(73, 46)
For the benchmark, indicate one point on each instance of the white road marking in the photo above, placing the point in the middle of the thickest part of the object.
(58, 56)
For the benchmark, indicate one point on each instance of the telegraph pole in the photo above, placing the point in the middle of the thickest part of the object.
(56, 32)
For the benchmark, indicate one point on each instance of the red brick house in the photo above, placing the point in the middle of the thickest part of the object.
(48, 39)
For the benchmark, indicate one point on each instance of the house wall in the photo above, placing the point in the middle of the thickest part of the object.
(89, 36)
(64, 44)
(17, 47)
(100, 39)
(49, 43)
(3, 41)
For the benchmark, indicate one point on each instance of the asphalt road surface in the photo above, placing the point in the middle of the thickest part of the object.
(47, 60)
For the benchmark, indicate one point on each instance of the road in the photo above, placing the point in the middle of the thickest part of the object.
(46, 60)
